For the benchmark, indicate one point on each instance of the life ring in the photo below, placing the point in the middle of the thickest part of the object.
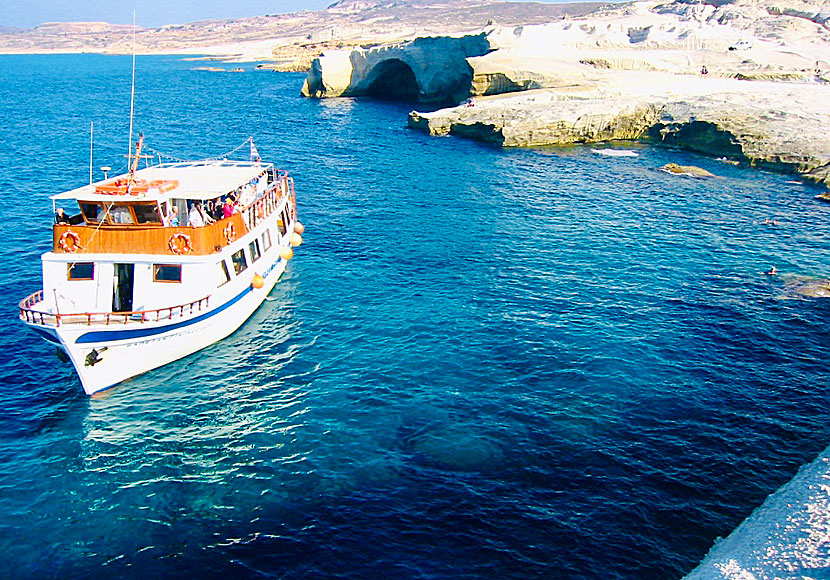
(180, 244)
(70, 242)
(230, 232)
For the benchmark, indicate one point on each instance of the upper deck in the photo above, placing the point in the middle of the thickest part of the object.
(192, 180)
(173, 208)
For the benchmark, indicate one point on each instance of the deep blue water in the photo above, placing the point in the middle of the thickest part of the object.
(481, 363)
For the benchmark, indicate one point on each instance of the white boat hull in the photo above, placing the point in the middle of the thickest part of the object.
(127, 350)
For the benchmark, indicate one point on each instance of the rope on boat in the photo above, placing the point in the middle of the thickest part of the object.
(217, 158)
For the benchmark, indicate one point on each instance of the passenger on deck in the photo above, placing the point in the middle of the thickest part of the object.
(217, 214)
(205, 215)
(61, 217)
(120, 215)
(195, 218)
(173, 218)
(228, 206)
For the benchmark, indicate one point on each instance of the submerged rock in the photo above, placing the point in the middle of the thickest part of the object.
(459, 451)
(810, 288)
(449, 446)
(615, 152)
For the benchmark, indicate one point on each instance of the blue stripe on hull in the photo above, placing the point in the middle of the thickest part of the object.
(112, 335)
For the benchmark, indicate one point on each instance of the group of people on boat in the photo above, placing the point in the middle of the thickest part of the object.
(205, 213)
(195, 213)
(214, 210)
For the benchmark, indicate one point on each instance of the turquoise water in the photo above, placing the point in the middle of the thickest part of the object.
(481, 363)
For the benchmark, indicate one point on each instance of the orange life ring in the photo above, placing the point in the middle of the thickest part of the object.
(70, 242)
(230, 232)
(180, 244)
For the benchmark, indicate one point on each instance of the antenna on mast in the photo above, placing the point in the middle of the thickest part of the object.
(132, 99)
(91, 132)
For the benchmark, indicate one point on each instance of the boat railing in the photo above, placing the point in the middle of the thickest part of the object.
(30, 314)
(270, 200)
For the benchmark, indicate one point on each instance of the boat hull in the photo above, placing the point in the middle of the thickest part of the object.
(105, 355)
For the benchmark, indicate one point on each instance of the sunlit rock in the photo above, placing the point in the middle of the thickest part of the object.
(689, 170)
(429, 69)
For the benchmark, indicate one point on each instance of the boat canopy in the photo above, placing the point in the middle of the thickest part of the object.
(185, 180)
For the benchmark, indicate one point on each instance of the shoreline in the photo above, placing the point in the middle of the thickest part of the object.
(744, 81)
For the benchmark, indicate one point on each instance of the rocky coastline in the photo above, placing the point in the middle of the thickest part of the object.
(746, 80)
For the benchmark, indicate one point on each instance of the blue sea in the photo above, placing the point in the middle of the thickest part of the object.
(481, 363)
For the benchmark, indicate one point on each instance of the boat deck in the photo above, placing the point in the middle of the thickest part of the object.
(35, 310)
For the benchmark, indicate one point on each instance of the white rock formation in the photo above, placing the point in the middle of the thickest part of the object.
(635, 72)
(425, 70)
(780, 126)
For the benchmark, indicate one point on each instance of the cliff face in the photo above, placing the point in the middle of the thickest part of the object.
(682, 74)
(542, 118)
(778, 126)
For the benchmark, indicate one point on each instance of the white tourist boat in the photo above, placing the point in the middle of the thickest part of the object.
(137, 278)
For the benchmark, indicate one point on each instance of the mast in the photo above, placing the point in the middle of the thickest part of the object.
(132, 101)
(134, 164)
(91, 133)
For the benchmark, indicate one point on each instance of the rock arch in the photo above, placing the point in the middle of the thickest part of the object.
(426, 70)
(393, 79)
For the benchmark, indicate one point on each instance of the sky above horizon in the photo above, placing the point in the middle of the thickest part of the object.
(149, 13)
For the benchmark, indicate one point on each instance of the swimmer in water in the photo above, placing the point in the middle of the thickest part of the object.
(771, 272)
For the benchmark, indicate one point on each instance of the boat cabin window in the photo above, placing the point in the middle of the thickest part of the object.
(167, 273)
(146, 213)
(239, 263)
(266, 240)
(281, 223)
(93, 212)
(254, 249)
(80, 271)
(120, 214)
(224, 275)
